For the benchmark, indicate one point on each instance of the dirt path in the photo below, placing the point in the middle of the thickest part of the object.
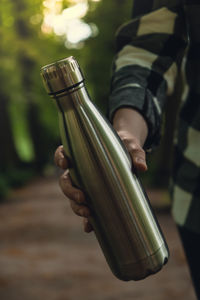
(44, 254)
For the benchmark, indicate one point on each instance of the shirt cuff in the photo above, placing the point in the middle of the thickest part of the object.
(141, 100)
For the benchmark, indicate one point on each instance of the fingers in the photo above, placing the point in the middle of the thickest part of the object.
(139, 159)
(87, 226)
(76, 196)
(60, 158)
(69, 190)
(80, 210)
(138, 155)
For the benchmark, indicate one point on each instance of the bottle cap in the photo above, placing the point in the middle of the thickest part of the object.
(62, 76)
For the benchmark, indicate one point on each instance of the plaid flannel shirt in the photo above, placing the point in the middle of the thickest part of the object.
(152, 48)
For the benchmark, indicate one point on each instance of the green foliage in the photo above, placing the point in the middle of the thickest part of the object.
(98, 58)
(29, 125)
(28, 118)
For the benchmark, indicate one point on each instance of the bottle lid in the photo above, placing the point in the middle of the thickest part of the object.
(61, 76)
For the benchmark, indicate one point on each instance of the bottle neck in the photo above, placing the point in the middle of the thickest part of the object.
(70, 100)
(67, 91)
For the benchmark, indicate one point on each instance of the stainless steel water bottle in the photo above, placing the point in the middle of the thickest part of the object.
(122, 218)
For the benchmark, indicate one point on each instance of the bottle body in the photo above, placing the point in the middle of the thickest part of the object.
(114, 195)
(122, 218)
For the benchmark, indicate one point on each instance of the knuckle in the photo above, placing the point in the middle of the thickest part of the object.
(58, 152)
(129, 140)
(136, 151)
(60, 159)
(79, 210)
(64, 177)
(78, 197)
(75, 208)
(65, 185)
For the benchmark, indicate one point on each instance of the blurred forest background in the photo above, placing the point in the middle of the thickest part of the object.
(35, 33)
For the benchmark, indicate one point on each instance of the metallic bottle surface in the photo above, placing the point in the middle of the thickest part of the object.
(122, 218)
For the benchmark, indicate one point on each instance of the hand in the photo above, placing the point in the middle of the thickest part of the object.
(132, 129)
(76, 196)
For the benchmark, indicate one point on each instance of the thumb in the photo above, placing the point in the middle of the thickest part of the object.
(139, 159)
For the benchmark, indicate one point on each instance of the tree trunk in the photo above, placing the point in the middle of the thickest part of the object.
(8, 155)
(27, 64)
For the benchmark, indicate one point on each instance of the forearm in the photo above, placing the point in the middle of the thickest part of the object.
(149, 52)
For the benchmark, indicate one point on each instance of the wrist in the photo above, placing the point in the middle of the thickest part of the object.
(129, 119)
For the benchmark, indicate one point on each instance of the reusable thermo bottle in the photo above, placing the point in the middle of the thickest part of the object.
(122, 218)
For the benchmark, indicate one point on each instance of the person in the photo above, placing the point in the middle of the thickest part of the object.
(158, 45)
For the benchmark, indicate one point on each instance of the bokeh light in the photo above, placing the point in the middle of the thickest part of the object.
(68, 23)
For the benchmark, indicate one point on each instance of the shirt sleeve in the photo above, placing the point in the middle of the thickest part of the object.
(150, 48)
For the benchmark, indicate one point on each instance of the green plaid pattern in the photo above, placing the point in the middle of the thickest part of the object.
(160, 43)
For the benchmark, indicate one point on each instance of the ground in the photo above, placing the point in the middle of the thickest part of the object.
(44, 253)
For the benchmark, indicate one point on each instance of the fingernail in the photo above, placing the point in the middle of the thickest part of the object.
(141, 164)
(84, 212)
